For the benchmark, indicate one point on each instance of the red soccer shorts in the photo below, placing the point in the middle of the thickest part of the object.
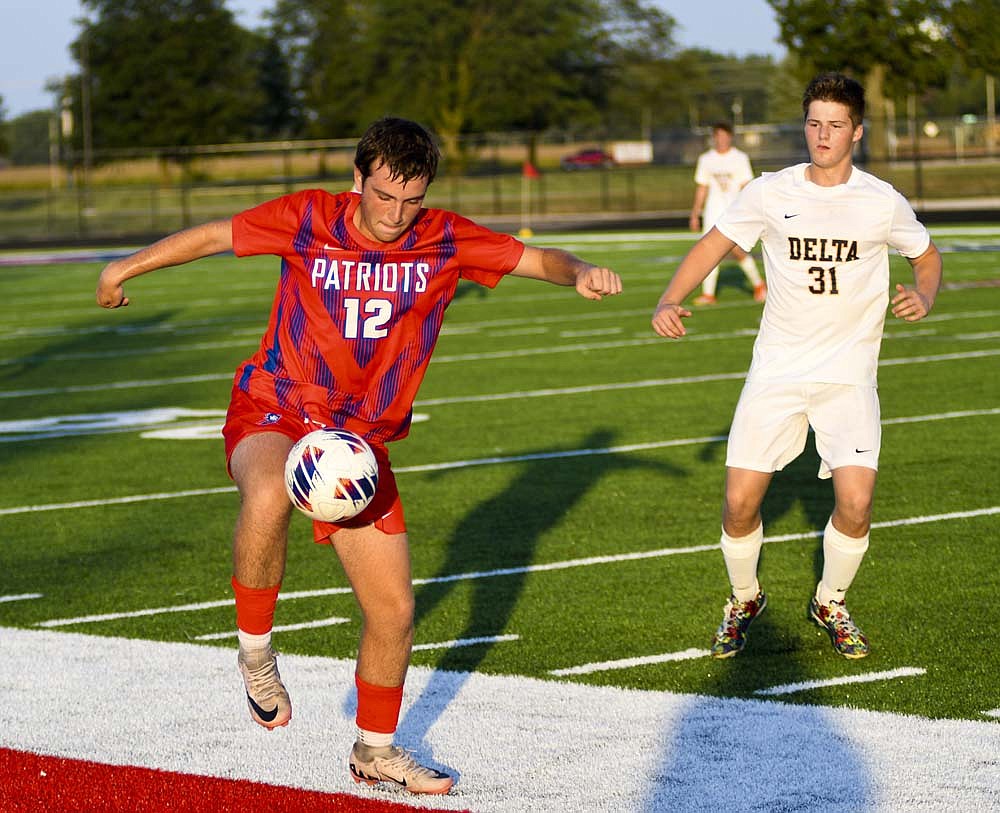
(248, 416)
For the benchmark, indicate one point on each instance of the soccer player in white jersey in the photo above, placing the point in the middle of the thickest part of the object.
(719, 175)
(825, 228)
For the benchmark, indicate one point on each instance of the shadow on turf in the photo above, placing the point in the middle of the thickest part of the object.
(502, 532)
(763, 756)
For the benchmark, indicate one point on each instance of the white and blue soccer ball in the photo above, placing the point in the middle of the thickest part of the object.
(331, 475)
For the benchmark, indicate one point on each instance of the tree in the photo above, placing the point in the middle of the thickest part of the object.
(894, 46)
(465, 68)
(165, 73)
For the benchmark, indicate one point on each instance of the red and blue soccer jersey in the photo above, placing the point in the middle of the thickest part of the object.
(354, 321)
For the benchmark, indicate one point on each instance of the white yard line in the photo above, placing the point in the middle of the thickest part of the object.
(306, 625)
(460, 642)
(511, 571)
(870, 677)
(482, 461)
(629, 663)
(21, 597)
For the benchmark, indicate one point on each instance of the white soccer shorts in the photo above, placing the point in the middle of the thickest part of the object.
(773, 418)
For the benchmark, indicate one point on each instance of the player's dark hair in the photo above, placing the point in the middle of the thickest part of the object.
(406, 148)
(835, 87)
(725, 126)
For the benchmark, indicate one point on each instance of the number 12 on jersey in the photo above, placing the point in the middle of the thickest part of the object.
(377, 313)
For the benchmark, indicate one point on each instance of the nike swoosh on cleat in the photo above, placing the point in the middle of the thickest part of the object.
(266, 716)
(400, 782)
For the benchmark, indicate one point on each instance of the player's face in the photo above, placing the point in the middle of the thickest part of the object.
(721, 140)
(830, 135)
(388, 205)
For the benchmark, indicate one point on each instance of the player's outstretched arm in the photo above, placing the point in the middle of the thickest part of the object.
(913, 304)
(562, 268)
(696, 265)
(176, 249)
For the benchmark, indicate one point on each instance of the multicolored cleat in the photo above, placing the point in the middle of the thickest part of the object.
(731, 636)
(847, 639)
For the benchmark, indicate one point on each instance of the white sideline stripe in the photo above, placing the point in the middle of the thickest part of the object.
(484, 461)
(489, 639)
(628, 663)
(571, 348)
(992, 713)
(510, 571)
(307, 625)
(792, 755)
(21, 597)
(871, 677)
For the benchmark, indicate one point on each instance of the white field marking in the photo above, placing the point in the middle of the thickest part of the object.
(172, 495)
(483, 461)
(511, 571)
(970, 354)
(518, 331)
(438, 359)
(992, 713)
(458, 642)
(121, 353)
(574, 334)
(21, 597)
(870, 677)
(628, 663)
(485, 728)
(306, 625)
(488, 461)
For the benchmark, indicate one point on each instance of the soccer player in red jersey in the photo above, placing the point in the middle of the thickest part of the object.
(365, 279)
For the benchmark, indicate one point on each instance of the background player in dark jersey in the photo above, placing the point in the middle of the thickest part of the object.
(365, 279)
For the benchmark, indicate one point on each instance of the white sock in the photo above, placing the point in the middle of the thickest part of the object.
(749, 267)
(374, 739)
(842, 557)
(249, 641)
(741, 555)
(710, 282)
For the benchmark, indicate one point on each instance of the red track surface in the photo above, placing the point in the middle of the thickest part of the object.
(33, 783)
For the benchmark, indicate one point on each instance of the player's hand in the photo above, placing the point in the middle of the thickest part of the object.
(667, 320)
(110, 293)
(909, 304)
(596, 283)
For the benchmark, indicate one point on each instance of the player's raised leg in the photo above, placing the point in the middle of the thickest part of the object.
(378, 567)
(259, 549)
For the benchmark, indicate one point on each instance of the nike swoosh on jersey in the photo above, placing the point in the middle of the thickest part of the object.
(328, 247)
(787, 217)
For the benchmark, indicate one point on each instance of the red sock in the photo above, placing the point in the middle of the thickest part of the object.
(378, 706)
(255, 607)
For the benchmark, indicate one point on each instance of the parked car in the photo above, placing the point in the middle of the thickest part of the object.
(587, 159)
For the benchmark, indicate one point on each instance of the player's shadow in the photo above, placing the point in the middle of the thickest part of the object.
(496, 542)
(733, 750)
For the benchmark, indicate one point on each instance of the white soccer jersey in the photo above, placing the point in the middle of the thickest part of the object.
(724, 173)
(827, 267)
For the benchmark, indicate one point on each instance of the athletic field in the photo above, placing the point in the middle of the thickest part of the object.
(562, 484)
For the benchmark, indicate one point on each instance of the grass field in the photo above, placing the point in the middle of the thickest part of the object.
(562, 484)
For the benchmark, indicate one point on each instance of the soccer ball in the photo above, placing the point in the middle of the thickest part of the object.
(331, 475)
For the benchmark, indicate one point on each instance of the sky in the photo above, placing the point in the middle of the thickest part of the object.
(35, 37)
